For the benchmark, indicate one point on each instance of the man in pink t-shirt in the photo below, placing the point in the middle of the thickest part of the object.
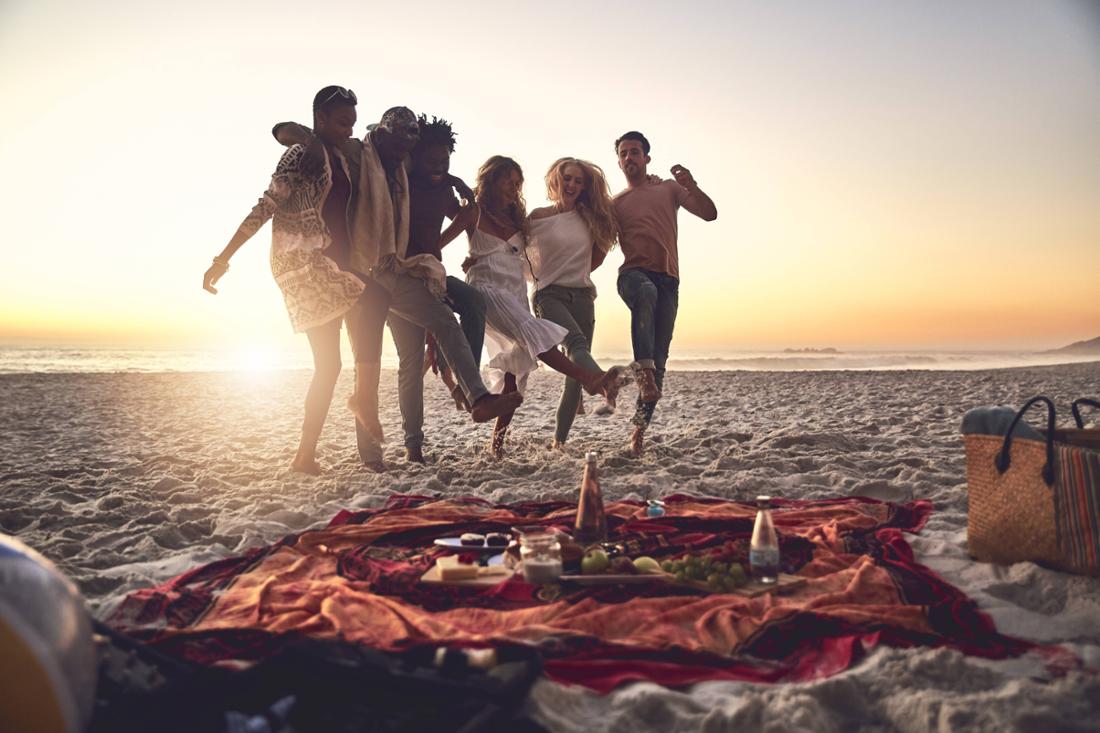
(649, 279)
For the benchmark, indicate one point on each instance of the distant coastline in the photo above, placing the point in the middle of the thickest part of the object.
(1090, 347)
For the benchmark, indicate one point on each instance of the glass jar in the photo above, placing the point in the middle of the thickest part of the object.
(655, 508)
(540, 557)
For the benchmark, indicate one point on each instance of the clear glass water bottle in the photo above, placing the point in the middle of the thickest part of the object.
(764, 550)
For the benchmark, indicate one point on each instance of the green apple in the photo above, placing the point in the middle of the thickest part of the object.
(646, 565)
(595, 562)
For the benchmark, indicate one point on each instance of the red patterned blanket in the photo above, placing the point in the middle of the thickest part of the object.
(357, 580)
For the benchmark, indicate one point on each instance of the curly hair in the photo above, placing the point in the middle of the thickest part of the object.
(492, 171)
(594, 203)
(436, 132)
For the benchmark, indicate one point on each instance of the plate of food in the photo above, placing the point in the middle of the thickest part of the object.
(474, 542)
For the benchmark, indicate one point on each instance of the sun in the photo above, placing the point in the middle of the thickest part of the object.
(253, 360)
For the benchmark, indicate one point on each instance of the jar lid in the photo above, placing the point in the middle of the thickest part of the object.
(591, 456)
(763, 498)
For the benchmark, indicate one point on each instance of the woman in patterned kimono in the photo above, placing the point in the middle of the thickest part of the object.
(310, 245)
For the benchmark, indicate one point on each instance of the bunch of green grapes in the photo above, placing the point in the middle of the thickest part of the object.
(719, 576)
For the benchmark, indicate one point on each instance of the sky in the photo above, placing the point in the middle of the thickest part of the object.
(887, 174)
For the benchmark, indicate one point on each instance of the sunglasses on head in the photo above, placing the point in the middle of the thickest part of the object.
(339, 92)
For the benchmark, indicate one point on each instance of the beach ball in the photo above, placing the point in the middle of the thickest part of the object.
(47, 656)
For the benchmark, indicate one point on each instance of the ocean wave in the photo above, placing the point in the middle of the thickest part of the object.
(87, 360)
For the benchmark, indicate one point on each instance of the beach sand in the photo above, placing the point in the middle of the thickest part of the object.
(125, 480)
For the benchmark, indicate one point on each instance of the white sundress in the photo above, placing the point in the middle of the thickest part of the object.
(514, 337)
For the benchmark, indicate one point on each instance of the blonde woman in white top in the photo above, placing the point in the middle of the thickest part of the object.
(515, 340)
(569, 239)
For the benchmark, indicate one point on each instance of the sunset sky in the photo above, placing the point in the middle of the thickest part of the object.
(887, 174)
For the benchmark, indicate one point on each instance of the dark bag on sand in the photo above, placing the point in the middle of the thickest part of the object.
(313, 685)
(1036, 500)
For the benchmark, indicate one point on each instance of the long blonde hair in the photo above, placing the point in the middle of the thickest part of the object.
(594, 203)
(492, 171)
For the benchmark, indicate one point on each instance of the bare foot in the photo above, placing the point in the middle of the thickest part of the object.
(648, 391)
(308, 466)
(607, 384)
(637, 443)
(557, 445)
(414, 455)
(495, 405)
(375, 466)
(580, 405)
(496, 446)
(368, 418)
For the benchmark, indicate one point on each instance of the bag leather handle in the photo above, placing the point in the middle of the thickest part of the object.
(1004, 458)
(1077, 411)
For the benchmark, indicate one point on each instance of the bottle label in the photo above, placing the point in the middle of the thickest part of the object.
(767, 557)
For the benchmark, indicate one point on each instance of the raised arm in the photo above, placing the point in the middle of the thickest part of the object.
(461, 188)
(277, 192)
(292, 133)
(697, 202)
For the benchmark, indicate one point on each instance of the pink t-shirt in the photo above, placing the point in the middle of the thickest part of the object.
(647, 226)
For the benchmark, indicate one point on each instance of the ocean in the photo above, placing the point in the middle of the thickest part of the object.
(31, 360)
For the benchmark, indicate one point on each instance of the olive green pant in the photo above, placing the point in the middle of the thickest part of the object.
(574, 310)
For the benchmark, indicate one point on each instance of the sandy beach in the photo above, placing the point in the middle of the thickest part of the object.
(125, 480)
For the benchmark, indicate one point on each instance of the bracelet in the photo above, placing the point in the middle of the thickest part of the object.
(222, 261)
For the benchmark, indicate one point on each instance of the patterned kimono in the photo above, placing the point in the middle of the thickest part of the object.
(315, 289)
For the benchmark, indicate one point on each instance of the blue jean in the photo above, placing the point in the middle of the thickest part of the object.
(469, 305)
(653, 299)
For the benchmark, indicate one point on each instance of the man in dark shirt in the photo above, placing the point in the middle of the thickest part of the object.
(431, 200)
(400, 292)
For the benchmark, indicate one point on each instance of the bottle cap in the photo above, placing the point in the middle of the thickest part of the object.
(763, 498)
(591, 456)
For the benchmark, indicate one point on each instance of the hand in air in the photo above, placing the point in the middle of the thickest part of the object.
(468, 263)
(683, 176)
(213, 274)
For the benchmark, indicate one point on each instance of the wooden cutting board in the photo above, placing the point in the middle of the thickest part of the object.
(752, 589)
(431, 577)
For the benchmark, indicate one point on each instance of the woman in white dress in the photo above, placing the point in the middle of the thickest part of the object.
(569, 239)
(515, 340)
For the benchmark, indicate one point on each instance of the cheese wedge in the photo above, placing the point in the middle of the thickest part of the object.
(451, 569)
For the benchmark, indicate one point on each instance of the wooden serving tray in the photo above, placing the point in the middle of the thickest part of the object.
(431, 577)
(611, 579)
(751, 589)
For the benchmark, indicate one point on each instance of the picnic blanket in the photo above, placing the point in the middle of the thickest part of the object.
(357, 580)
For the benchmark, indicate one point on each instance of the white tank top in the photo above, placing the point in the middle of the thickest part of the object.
(561, 251)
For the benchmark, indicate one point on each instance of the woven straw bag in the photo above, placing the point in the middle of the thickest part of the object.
(1017, 489)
